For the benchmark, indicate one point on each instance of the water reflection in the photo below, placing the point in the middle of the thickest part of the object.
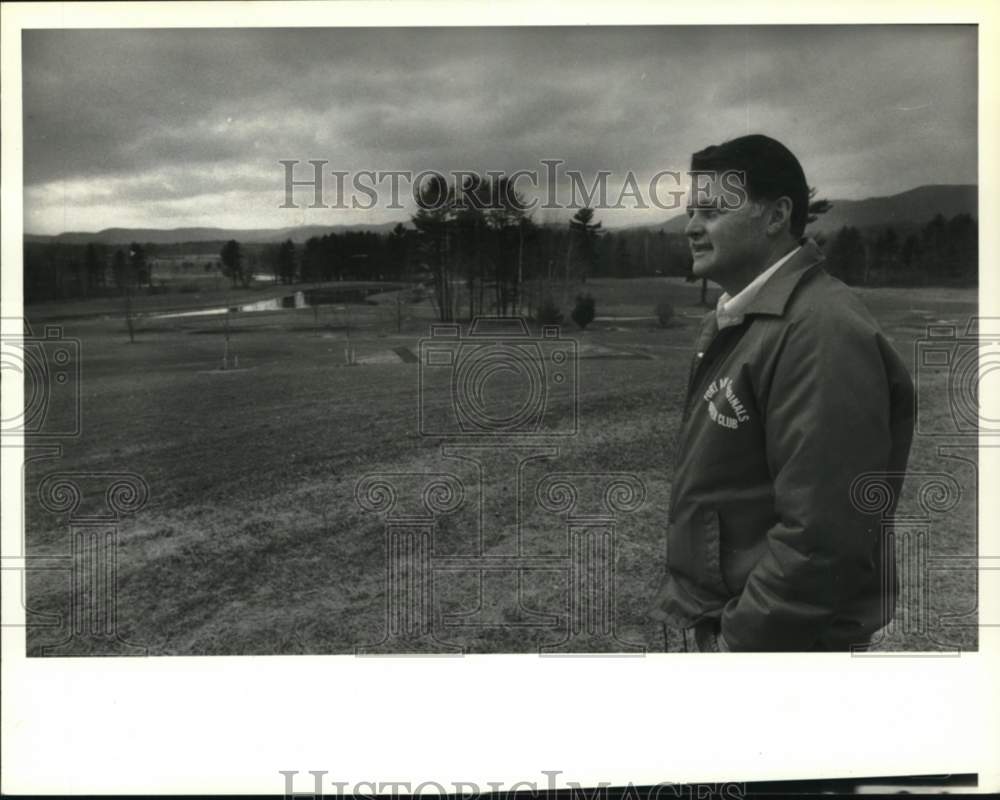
(308, 298)
(297, 300)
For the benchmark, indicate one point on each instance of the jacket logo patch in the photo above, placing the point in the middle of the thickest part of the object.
(724, 407)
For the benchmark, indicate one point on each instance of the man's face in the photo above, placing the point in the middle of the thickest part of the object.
(726, 243)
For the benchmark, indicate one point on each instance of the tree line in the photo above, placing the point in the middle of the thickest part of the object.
(495, 260)
(942, 252)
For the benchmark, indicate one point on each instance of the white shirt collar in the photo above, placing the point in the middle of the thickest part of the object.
(729, 310)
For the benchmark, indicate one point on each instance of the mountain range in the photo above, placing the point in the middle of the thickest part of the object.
(914, 207)
(117, 236)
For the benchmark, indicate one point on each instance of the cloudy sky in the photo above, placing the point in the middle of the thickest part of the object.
(171, 128)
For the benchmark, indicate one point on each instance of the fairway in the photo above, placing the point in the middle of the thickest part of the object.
(253, 540)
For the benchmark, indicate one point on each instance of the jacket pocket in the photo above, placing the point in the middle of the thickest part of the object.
(713, 552)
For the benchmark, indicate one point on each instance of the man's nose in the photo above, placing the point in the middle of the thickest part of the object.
(694, 227)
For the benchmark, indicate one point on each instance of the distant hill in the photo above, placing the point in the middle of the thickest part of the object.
(910, 208)
(913, 207)
(114, 236)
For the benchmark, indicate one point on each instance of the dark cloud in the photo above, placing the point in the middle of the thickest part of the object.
(190, 124)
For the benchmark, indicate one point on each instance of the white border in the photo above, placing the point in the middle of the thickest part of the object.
(230, 724)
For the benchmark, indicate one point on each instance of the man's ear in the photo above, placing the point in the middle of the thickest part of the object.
(780, 216)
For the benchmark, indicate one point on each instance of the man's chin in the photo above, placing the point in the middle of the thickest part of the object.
(701, 267)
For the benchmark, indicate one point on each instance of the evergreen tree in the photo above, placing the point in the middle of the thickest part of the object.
(584, 232)
(231, 257)
(286, 261)
(93, 269)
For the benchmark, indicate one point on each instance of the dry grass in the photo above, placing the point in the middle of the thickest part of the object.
(252, 541)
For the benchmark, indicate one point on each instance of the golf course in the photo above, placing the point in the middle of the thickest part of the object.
(252, 430)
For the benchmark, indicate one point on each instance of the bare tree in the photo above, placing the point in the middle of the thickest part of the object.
(432, 223)
(125, 270)
(508, 219)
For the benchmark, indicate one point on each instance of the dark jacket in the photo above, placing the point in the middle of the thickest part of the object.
(783, 412)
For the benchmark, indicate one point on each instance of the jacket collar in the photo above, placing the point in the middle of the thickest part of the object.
(773, 295)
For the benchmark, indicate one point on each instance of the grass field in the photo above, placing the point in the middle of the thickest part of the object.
(252, 541)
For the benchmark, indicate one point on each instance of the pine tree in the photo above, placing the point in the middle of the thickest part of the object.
(232, 262)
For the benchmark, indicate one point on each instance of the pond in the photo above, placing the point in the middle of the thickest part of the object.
(308, 298)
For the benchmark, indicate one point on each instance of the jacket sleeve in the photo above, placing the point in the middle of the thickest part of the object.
(826, 418)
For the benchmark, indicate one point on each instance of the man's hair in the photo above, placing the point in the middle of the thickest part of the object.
(770, 169)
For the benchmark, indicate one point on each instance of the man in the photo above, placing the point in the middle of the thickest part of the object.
(794, 393)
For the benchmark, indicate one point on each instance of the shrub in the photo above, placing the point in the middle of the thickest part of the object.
(583, 313)
(548, 313)
(664, 313)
